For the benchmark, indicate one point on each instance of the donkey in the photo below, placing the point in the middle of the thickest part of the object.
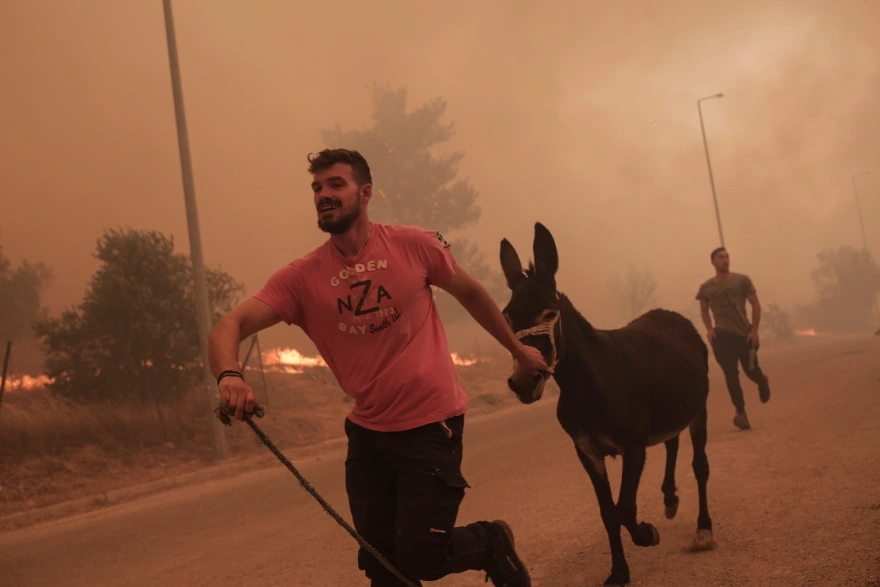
(621, 391)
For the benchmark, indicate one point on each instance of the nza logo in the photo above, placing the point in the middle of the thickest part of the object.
(364, 287)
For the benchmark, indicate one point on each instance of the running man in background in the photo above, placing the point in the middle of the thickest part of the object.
(733, 338)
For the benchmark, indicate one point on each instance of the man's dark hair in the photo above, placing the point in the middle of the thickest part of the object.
(715, 252)
(360, 170)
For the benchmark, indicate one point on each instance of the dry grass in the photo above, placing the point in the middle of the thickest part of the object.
(53, 450)
(36, 424)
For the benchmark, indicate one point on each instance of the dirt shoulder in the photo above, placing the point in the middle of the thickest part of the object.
(304, 419)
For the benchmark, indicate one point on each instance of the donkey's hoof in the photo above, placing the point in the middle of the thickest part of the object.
(646, 535)
(671, 508)
(703, 541)
(618, 577)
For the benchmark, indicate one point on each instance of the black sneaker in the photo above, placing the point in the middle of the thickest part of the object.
(741, 421)
(764, 390)
(502, 565)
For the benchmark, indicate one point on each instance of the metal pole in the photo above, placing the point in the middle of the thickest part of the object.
(5, 366)
(709, 164)
(247, 355)
(859, 208)
(203, 313)
(262, 369)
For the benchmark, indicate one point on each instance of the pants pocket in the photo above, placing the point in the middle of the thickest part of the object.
(447, 495)
(424, 530)
(452, 479)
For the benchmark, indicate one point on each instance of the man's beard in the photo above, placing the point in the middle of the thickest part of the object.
(341, 224)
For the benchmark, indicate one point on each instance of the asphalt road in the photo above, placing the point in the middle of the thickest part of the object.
(795, 501)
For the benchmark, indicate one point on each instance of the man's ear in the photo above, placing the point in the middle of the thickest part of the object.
(365, 193)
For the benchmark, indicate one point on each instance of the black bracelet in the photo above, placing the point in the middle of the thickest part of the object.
(229, 373)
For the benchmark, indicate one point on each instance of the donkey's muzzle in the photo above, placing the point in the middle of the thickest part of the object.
(528, 388)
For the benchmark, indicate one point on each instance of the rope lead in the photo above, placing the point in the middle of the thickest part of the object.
(224, 414)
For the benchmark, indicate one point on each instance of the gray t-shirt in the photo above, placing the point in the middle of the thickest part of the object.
(727, 300)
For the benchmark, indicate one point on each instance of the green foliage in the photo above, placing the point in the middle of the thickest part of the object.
(847, 283)
(410, 184)
(778, 323)
(20, 298)
(134, 336)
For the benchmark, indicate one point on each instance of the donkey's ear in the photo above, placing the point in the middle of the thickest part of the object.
(510, 264)
(546, 258)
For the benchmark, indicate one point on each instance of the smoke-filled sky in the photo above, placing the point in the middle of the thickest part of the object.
(581, 115)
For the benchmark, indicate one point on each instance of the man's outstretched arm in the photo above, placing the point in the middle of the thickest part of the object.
(249, 317)
(476, 300)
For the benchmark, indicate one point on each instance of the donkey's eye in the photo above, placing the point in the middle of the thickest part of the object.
(549, 315)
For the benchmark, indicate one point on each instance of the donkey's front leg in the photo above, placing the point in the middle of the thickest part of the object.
(643, 534)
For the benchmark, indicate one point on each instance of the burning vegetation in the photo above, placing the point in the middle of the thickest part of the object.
(281, 360)
(288, 360)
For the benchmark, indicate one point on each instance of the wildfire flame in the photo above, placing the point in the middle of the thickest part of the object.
(282, 359)
(807, 332)
(292, 361)
(26, 382)
(286, 356)
(458, 360)
(289, 360)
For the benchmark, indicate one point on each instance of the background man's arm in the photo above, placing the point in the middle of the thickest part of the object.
(707, 319)
(756, 316)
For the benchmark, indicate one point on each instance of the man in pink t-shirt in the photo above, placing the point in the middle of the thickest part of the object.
(364, 298)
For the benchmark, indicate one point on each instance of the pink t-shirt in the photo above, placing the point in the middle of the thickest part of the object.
(375, 323)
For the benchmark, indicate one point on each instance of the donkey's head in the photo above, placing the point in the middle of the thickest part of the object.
(533, 310)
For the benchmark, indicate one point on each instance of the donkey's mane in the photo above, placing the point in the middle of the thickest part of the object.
(578, 317)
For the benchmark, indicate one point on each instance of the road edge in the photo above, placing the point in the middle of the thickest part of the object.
(240, 466)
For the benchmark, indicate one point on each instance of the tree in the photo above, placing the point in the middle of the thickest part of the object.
(21, 289)
(634, 292)
(778, 323)
(134, 336)
(847, 283)
(413, 186)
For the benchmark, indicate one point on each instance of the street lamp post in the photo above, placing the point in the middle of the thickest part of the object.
(709, 164)
(203, 313)
(859, 207)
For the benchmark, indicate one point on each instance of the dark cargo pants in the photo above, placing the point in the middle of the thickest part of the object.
(404, 490)
(731, 350)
